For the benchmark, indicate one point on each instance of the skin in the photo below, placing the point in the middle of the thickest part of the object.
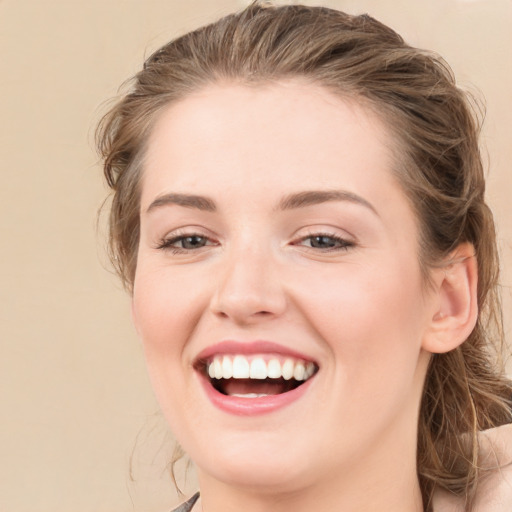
(361, 309)
(495, 489)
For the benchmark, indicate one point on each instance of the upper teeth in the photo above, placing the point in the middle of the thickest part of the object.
(255, 367)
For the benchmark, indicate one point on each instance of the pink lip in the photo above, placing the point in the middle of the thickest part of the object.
(250, 347)
(252, 406)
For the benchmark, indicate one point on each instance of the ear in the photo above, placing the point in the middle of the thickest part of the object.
(455, 309)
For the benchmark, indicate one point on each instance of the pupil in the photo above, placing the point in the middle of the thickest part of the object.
(322, 241)
(191, 242)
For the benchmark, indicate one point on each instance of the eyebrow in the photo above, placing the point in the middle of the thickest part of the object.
(312, 197)
(187, 200)
(289, 202)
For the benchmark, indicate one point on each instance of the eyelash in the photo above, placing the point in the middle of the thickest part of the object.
(343, 244)
(167, 244)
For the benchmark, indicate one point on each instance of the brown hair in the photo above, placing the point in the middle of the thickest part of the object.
(438, 165)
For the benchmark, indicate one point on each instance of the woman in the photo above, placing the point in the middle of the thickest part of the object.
(299, 215)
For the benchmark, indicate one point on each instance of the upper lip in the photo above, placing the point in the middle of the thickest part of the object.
(250, 348)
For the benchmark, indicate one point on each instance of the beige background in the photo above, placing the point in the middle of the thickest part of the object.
(74, 397)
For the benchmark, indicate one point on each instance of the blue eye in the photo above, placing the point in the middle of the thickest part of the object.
(192, 242)
(184, 243)
(325, 242)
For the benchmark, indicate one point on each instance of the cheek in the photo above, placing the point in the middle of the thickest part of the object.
(165, 306)
(165, 320)
(166, 311)
(371, 319)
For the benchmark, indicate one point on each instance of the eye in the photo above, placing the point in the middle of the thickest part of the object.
(325, 242)
(184, 243)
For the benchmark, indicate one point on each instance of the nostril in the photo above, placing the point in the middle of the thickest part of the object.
(248, 289)
(243, 309)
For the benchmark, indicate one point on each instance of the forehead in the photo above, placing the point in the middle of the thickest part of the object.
(282, 134)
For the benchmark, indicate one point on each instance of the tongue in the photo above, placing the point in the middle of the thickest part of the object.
(260, 387)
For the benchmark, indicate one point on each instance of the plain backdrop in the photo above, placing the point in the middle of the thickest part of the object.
(75, 401)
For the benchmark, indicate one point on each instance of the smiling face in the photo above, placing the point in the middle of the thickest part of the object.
(276, 245)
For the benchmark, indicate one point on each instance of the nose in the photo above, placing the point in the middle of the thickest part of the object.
(249, 288)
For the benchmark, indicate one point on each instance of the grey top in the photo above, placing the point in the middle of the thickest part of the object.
(187, 506)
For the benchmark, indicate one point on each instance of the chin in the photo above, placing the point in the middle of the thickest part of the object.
(261, 466)
(259, 476)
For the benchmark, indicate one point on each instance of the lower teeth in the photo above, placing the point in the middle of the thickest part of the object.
(249, 395)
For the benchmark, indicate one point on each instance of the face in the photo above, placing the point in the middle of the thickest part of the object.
(278, 291)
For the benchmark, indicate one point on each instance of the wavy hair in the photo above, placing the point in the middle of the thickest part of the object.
(437, 163)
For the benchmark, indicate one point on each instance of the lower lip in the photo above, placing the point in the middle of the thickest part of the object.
(241, 406)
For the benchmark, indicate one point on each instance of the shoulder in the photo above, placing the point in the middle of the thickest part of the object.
(187, 506)
(495, 490)
(495, 487)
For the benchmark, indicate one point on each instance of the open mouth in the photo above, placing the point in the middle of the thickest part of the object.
(255, 376)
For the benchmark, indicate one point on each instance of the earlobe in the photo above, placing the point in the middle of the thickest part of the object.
(455, 298)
